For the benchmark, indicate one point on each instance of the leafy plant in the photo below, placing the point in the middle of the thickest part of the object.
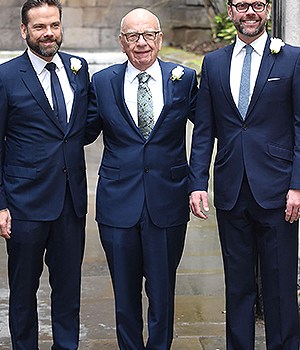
(225, 30)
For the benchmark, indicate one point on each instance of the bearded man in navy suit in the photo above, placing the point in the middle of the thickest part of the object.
(142, 195)
(256, 173)
(43, 182)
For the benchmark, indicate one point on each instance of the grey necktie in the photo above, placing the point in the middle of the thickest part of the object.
(244, 94)
(144, 105)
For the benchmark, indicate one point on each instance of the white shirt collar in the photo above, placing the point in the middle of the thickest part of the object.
(258, 45)
(154, 71)
(39, 64)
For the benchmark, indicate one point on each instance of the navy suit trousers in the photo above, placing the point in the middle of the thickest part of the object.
(248, 234)
(149, 252)
(62, 242)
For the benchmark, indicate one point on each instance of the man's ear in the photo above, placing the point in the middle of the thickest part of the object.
(23, 30)
(229, 11)
(121, 43)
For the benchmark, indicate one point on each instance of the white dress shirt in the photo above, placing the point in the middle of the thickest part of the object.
(155, 84)
(44, 78)
(237, 61)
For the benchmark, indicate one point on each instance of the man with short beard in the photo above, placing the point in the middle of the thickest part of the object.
(249, 101)
(43, 110)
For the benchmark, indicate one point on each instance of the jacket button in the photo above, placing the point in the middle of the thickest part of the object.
(146, 170)
(245, 127)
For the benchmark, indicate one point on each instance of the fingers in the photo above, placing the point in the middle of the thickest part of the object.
(292, 212)
(5, 224)
(199, 204)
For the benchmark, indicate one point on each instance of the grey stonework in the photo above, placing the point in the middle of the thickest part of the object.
(94, 24)
(291, 16)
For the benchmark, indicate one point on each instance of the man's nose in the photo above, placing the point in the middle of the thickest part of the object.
(141, 38)
(48, 31)
(250, 10)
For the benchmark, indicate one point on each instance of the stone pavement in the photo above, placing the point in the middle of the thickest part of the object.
(199, 314)
(199, 318)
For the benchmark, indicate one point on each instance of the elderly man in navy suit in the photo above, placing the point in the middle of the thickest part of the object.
(142, 106)
(249, 100)
(43, 109)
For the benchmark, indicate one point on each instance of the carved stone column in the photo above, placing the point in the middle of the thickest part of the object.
(286, 19)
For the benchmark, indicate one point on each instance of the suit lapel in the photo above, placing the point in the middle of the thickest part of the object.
(267, 63)
(168, 91)
(117, 83)
(33, 84)
(225, 61)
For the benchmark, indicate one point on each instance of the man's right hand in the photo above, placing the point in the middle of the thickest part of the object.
(5, 224)
(199, 204)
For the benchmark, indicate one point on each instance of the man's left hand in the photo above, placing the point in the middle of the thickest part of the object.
(292, 212)
(5, 223)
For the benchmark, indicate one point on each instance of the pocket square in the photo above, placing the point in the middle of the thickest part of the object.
(273, 79)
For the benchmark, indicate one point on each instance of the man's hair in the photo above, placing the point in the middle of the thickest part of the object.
(29, 4)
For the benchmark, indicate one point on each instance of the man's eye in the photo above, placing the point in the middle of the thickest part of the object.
(132, 37)
(149, 36)
(242, 6)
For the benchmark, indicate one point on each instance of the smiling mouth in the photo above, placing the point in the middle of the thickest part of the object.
(48, 42)
(142, 53)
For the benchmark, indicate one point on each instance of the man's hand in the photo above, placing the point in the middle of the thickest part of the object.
(199, 204)
(5, 223)
(292, 212)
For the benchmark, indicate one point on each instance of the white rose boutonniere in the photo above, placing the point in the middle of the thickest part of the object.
(75, 64)
(177, 73)
(276, 45)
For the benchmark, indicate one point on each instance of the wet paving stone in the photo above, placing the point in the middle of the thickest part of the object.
(199, 308)
(199, 305)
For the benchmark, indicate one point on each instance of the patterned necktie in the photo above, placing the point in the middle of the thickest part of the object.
(144, 105)
(59, 105)
(245, 82)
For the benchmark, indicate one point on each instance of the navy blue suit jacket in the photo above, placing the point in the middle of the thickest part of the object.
(266, 145)
(36, 155)
(134, 171)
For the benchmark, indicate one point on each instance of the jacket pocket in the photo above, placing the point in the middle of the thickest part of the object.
(21, 172)
(109, 173)
(279, 152)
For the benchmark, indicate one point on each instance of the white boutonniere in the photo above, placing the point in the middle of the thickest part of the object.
(276, 45)
(177, 73)
(75, 64)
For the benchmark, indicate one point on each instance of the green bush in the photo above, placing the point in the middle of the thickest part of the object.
(225, 30)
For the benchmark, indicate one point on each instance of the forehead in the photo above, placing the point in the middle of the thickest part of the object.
(139, 22)
(43, 14)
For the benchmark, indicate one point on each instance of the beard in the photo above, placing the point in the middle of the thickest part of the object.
(37, 46)
(250, 33)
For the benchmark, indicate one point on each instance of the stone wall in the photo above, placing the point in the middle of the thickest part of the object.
(291, 21)
(94, 24)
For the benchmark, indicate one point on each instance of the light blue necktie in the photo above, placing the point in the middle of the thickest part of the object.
(144, 105)
(244, 94)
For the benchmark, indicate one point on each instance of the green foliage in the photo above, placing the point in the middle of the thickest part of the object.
(225, 30)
